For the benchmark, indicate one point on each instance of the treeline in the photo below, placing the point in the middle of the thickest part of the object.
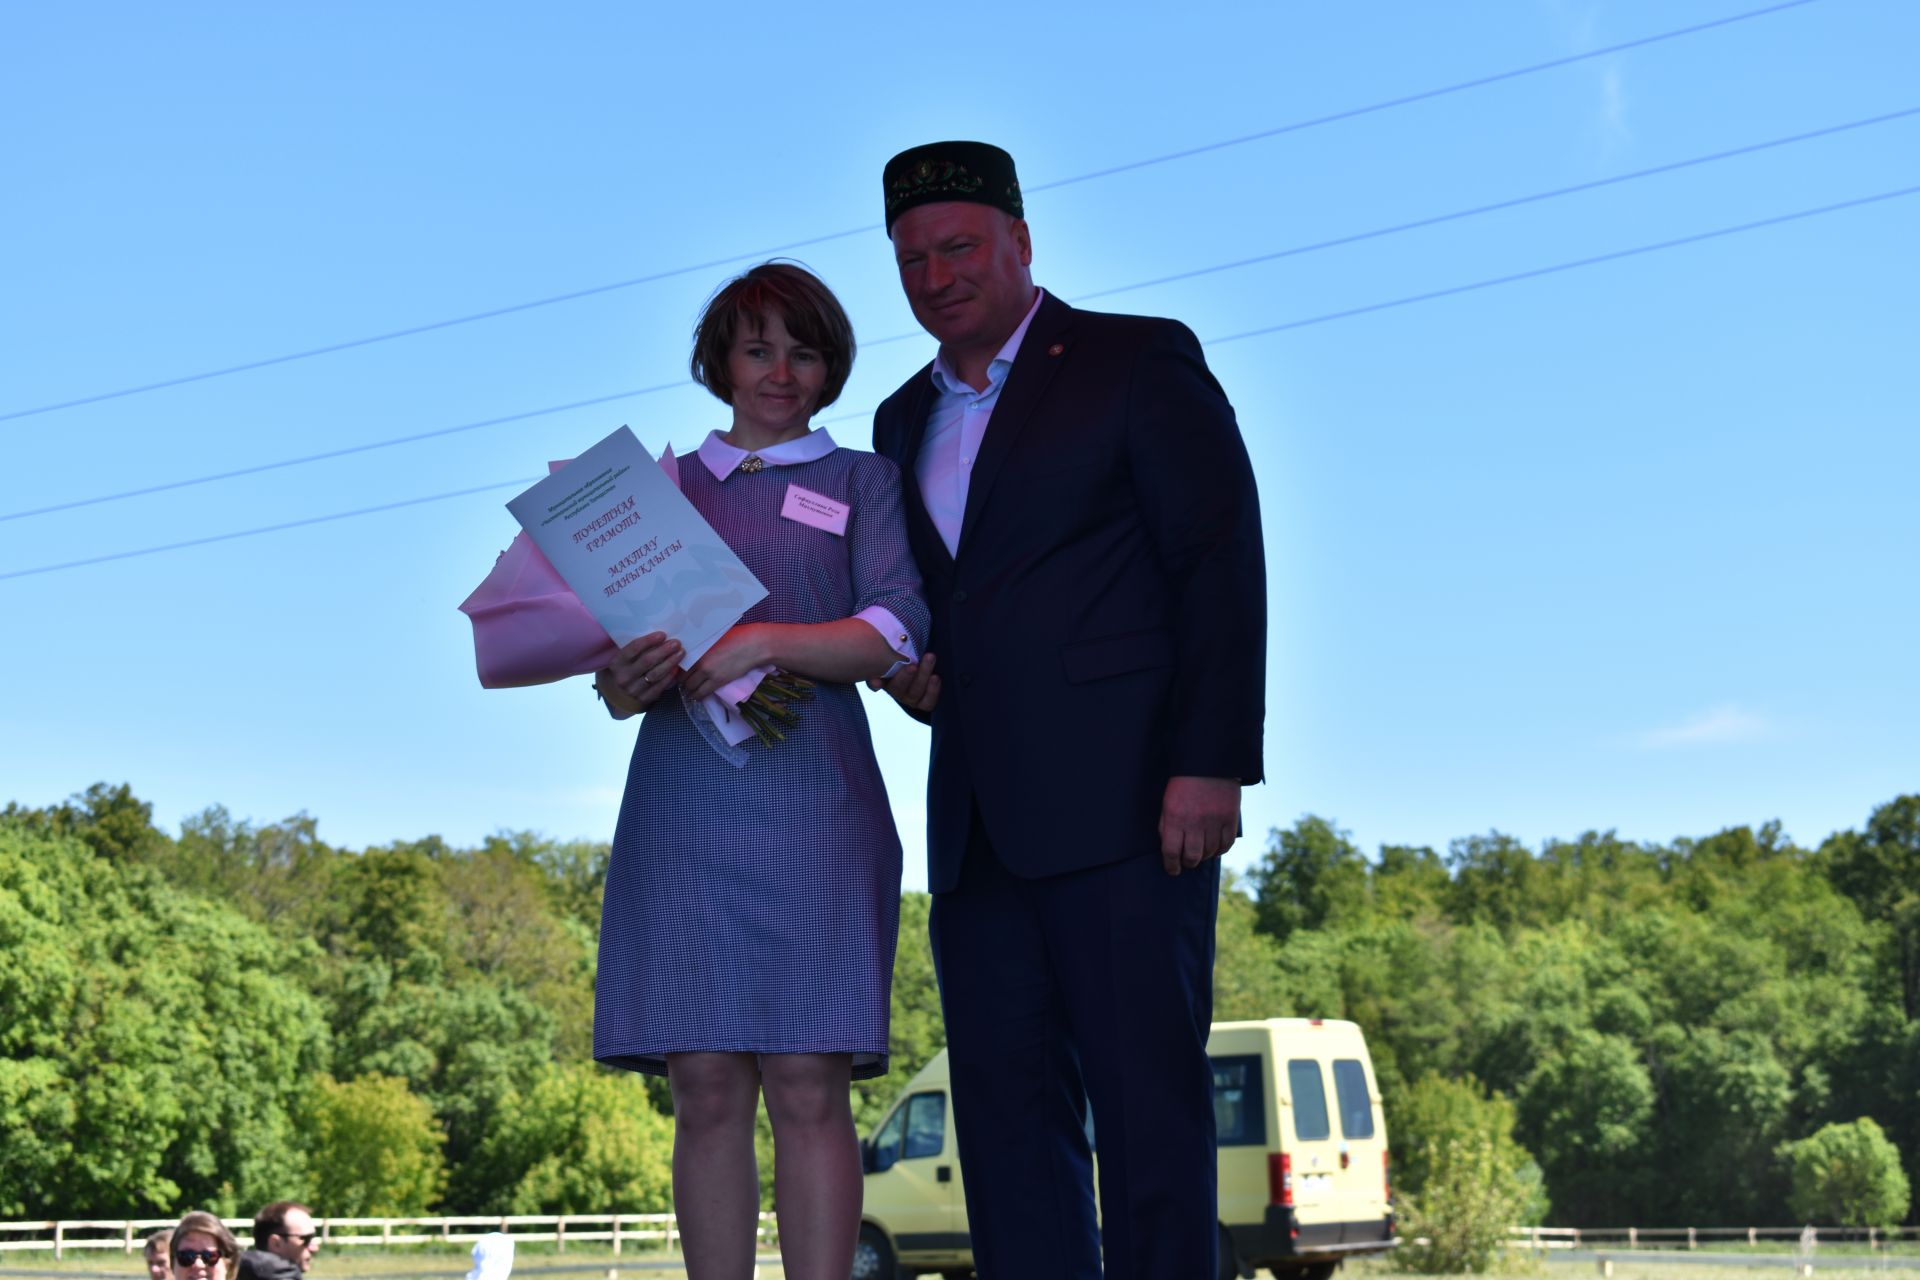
(1657, 1023)
(243, 1014)
(240, 1013)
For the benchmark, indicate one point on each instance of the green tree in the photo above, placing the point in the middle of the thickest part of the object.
(1880, 870)
(1724, 1100)
(1247, 982)
(281, 874)
(1662, 1016)
(583, 1139)
(1460, 1219)
(390, 904)
(154, 1045)
(1409, 883)
(511, 934)
(575, 871)
(1311, 876)
(1585, 1111)
(464, 1047)
(373, 1148)
(1848, 1174)
(1496, 880)
(1436, 1116)
(110, 820)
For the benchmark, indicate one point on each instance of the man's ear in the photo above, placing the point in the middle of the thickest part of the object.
(1023, 238)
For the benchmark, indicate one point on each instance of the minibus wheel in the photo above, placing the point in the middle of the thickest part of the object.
(873, 1257)
(1229, 1267)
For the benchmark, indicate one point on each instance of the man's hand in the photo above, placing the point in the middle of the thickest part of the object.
(913, 686)
(1199, 818)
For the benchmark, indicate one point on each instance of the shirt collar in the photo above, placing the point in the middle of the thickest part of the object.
(946, 382)
(724, 459)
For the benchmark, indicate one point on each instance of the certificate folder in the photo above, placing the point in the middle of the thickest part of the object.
(629, 544)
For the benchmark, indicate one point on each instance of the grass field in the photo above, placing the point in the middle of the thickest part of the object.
(366, 1263)
(450, 1262)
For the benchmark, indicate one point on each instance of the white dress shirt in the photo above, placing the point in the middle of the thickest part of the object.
(955, 426)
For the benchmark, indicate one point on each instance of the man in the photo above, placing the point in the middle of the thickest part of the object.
(1085, 519)
(158, 1249)
(284, 1242)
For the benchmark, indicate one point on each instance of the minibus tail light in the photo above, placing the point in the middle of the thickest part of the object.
(1280, 1178)
(1386, 1173)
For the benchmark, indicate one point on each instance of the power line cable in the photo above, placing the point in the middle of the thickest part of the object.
(1294, 251)
(1427, 94)
(368, 447)
(271, 528)
(575, 295)
(1596, 259)
(1498, 205)
(1324, 318)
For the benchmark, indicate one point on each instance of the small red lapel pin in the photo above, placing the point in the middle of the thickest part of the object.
(1056, 348)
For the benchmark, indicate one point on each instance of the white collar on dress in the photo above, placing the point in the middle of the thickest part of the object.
(724, 459)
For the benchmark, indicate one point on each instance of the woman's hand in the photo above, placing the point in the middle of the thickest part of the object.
(641, 673)
(743, 648)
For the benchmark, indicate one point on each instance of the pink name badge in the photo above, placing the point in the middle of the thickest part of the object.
(815, 509)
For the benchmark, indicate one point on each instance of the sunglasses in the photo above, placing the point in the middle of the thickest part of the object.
(302, 1241)
(187, 1257)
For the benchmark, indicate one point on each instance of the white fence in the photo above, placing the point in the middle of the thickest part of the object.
(660, 1231)
(621, 1230)
(1654, 1238)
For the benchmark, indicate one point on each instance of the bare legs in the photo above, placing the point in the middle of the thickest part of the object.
(816, 1165)
(816, 1162)
(716, 1192)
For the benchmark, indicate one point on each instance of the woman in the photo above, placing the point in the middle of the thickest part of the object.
(752, 899)
(202, 1248)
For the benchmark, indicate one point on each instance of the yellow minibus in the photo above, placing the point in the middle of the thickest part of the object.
(1302, 1147)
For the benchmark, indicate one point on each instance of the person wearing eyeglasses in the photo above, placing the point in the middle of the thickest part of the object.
(284, 1242)
(159, 1253)
(202, 1248)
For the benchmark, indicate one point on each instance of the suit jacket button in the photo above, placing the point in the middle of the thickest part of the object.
(959, 597)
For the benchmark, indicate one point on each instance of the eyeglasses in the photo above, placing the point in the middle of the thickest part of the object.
(302, 1241)
(187, 1257)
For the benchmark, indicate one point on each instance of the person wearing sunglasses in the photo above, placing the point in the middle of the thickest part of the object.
(284, 1242)
(202, 1248)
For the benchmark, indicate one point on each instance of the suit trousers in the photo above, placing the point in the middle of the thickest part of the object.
(1090, 988)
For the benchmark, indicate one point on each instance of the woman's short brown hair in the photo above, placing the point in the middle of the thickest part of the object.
(207, 1225)
(812, 314)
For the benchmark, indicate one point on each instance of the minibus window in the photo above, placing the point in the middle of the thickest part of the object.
(1356, 1107)
(1309, 1099)
(1239, 1104)
(886, 1143)
(926, 1125)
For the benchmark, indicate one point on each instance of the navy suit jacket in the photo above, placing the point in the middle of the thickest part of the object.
(1102, 626)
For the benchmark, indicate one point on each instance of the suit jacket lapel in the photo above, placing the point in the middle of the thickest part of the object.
(919, 405)
(1026, 382)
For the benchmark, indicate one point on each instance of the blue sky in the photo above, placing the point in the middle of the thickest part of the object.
(1628, 545)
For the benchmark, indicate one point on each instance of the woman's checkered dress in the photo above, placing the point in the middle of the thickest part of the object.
(754, 910)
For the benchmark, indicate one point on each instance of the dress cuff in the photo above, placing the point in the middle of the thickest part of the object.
(898, 639)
